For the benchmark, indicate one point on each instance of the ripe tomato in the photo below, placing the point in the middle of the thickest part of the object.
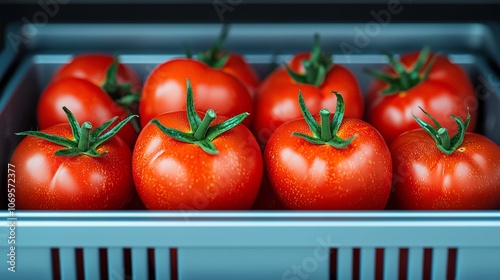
(237, 66)
(435, 172)
(314, 76)
(195, 166)
(165, 90)
(427, 80)
(231, 63)
(342, 165)
(94, 68)
(94, 172)
(87, 101)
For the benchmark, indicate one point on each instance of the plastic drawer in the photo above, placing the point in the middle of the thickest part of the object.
(247, 244)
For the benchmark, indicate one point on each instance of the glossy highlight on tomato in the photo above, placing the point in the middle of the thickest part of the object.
(165, 91)
(230, 62)
(93, 67)
(87, 101)
(97, 176)
(184, 163)
(342, 164)
(94, 87)
(315, 75)
(419, 79)
(465, 175)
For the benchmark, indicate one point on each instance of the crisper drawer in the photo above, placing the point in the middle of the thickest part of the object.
(246, 244)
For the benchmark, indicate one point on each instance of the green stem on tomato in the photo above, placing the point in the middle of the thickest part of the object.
(316, 67)
(441, 135)
(201, 134)
(213, 57)
(121, 94)
(84, 142)
(405, 79)
(326, 133)
(444, 136)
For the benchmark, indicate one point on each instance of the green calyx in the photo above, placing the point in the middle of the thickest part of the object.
(214, 57)
(122, 94)
(405, 79)
(201, 134)
(85, 140)
(316, 67)
(325, 132)
(441, 135)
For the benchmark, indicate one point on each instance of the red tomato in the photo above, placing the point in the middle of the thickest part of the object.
(355, 175)
(276, 98)
(94, 67)
(446, 90)
(238, 67)
(280, 75)
(199, 172)
(80, 182)
(87, 101)
(231, 63)
(426, 178)
(165, 91)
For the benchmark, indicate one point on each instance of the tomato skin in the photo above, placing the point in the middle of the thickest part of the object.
(165, 91)
(48, 182)
(173, 175)
(239, 68)
(320, 177)
(87, 101)
(277, 97)
(447, 90)
(93, 68)
(280, 75)
(427, 179)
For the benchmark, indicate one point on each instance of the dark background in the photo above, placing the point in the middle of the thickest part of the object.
(252, 11)
(156, 11)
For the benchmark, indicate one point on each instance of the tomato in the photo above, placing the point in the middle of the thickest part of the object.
(344, 164)
(445, 90)
(237, 66)
(93, 172)
(231, 63)
(95, 87)
(87, 101)
(165, 91)
(194, 166)
(276, 98)
(436, 172)
(94, 68)
(281, 75)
